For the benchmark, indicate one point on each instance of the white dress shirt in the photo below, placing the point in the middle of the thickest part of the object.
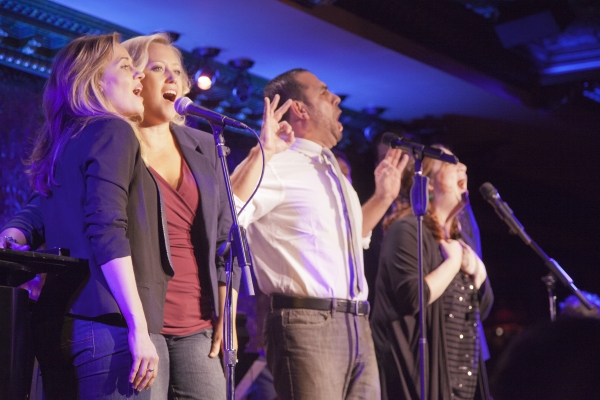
(296, 228)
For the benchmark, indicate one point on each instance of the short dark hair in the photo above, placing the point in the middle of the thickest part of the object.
(287, 87)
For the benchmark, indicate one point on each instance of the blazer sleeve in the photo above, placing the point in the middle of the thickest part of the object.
(399, 257)
(29, 221)
(108, 168)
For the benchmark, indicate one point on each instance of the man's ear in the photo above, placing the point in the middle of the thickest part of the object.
(299, 110)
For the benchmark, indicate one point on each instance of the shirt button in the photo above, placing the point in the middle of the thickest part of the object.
(451, 316)
(460, 336)
(471, 287)
(460, 298)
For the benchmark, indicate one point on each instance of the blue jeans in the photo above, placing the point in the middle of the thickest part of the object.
(185, 371)
(83, 359)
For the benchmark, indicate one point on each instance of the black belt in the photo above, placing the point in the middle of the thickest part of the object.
(316, 303)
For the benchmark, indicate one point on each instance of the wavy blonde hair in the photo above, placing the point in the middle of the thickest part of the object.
(72, 98)
(138, 48)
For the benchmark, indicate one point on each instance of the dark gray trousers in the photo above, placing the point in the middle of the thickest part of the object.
(321, 355)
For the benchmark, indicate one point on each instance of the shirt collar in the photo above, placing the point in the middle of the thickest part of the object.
(307, 147)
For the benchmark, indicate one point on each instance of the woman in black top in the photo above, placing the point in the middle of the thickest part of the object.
(94, 330)
(456, 291)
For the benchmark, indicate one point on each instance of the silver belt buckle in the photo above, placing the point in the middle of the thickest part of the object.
(356, 312)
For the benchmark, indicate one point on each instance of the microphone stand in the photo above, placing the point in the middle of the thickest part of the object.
(419, 200)
(240, 250)
(556, 270)
(549, 280)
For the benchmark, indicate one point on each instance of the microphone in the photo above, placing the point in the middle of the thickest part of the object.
(492, 196)
(185, 106)
(398, 142)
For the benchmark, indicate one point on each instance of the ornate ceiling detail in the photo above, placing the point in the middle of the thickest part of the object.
(32, 32)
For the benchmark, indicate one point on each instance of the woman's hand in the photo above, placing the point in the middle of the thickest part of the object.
(218, 340)
(145, 360)
(452, 250)
(472, 265)
(121, 281)
(470, 260)
(12, 238)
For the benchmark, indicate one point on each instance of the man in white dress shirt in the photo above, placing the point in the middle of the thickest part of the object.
(307, 229)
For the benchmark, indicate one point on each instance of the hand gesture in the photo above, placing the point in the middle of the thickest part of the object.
(470, 261)
(388, 175)
(145, 360)
(452, 250)
(276, 136)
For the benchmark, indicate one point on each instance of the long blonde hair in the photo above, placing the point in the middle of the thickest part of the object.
(72, 97)
(138, 48)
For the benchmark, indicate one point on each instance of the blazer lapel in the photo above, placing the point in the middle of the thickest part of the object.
(203, 172)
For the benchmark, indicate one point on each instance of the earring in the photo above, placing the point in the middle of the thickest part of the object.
(430, 196)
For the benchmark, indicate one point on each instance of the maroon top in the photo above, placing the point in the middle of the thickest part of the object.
(188, 304)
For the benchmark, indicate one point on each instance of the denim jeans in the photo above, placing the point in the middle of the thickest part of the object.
(321, 355)
(185, 371)
(83, 359)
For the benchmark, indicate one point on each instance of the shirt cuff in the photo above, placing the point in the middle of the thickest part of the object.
(366, 241)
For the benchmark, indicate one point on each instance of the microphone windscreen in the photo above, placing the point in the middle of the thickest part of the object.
(181, 105)
(487, 190)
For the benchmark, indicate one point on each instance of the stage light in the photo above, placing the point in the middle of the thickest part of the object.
(592, 91)
(375, 127)
(31, 46)
(242, 88)
(206, 75)
(242, 84)
(373, 111)
(204, 82)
